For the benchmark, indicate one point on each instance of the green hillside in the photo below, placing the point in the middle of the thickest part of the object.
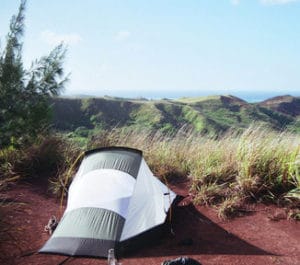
(208, 115)
(284, 104)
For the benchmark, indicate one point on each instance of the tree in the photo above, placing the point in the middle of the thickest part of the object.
(25, 94)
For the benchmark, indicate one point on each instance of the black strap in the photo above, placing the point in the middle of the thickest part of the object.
(64, 261)
(30, 253)
(27, 254)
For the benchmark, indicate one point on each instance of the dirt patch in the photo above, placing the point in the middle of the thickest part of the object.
(199, 234)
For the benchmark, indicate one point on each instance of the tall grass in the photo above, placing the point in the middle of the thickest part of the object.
(229, 172)
(164, 153)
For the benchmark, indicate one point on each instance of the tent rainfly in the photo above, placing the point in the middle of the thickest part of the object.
(112, 199)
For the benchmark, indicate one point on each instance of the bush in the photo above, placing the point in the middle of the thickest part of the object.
(43, 159)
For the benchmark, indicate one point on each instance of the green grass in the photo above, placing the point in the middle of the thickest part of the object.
(189, 100)
(229, 172)
(147, 115)
(194, 118)
(258, 165)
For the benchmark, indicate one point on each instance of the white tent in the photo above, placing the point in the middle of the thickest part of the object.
(113, 198)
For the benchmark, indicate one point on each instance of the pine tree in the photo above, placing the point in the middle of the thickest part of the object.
(25, 94)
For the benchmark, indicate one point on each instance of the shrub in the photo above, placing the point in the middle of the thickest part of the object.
(46, 158)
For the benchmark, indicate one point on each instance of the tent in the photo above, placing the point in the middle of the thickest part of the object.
(112, 199)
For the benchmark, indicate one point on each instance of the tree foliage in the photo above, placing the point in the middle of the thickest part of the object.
(25, 94)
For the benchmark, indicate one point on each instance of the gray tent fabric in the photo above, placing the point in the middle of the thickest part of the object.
(113, 197)
(114, 158)
(93, 227)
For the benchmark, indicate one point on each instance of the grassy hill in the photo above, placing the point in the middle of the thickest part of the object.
(212, 115)
(284, 104)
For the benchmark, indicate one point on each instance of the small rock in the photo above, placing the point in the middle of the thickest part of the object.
(279, 214)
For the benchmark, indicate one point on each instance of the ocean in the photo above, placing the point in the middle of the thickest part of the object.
(249, 96)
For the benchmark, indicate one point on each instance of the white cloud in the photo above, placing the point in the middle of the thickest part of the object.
(53, 38)
(122, 35)
(277, 2)
(267, 2)
(235, 2)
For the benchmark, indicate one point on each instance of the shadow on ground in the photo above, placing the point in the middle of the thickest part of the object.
(195, 234)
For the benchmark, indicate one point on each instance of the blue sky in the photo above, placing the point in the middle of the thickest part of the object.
(165, 48)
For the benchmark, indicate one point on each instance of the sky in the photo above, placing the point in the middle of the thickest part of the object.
(167, 48)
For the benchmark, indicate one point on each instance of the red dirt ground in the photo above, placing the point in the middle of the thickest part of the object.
(252, 239)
